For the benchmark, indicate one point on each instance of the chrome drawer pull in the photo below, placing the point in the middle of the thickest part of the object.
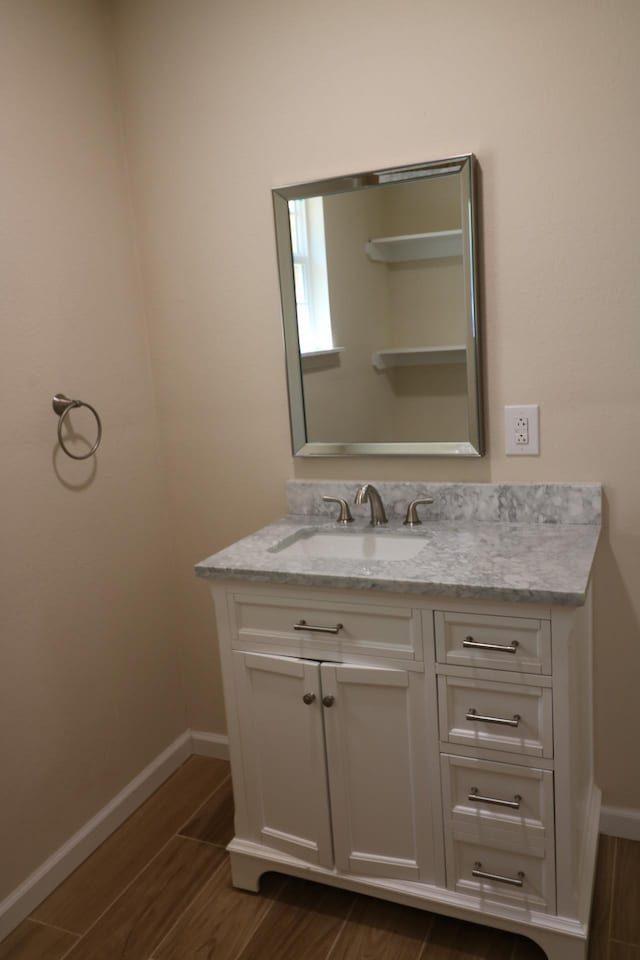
(477, 798)
(303, 625)
(472, 715)
(512, 881)
(500, 647)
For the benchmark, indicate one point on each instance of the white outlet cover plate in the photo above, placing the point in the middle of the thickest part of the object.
(511, 414)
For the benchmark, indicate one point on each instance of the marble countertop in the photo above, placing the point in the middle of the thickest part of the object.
(545, 562)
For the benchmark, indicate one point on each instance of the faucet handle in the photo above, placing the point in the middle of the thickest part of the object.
(345, 513)
(412, 519)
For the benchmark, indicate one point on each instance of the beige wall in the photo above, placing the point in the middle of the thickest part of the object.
(89, 683)
(226, 100)
(221, 102)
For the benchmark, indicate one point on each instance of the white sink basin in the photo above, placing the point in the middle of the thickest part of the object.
(353, 546)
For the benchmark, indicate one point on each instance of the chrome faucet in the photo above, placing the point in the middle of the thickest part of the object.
(367, 493)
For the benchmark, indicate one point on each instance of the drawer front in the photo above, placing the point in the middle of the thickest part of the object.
(498, 643)
(503, 876)
(489, 801)
(496, 716)
(280, 624)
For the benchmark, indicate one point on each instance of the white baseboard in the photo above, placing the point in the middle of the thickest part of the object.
(620, 822)
(25, 898)
(615, 821)
(210, 744)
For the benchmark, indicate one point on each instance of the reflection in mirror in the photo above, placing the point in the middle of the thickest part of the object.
(379, 290)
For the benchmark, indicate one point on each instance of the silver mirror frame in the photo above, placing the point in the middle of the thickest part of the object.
(466, 167)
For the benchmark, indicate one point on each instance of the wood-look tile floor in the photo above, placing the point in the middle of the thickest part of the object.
(159, 888)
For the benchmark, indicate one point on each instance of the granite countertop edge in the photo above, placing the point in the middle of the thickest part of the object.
(426, 588)
(510, 562)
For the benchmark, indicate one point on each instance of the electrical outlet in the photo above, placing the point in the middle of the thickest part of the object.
(521, 434)
(521, 430)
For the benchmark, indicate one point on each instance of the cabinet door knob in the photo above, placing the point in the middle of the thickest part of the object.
(328, 701)
(309, 698)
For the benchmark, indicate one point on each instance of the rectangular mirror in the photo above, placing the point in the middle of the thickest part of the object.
(378, 278)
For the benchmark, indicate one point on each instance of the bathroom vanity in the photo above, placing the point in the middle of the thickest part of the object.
(409, 709)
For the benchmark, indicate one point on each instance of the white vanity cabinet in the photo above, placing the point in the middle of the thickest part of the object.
(330, 705)
(433, 752)
(331, 744)
(498, 816)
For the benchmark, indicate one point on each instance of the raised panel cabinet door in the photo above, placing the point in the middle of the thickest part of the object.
(282, 742)
(376, 757)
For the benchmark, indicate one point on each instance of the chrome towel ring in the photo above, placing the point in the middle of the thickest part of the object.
(61, 406)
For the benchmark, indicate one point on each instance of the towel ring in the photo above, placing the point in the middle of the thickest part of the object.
(62, 405)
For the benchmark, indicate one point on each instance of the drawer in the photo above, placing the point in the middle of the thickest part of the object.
(498, 643)
(513, 877)
(490, 802)
(515, 718)
(310, 627)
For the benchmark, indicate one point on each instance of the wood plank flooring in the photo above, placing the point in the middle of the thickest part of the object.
(159, 888)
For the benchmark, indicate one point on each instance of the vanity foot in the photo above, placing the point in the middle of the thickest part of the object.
(246, 872)
(559, 947)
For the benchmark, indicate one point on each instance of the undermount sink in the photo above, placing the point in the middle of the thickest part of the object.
(352, 546)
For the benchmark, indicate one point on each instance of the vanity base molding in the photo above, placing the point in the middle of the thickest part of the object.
(559, 937)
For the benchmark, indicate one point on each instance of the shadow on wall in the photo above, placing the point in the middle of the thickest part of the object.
(616, 657)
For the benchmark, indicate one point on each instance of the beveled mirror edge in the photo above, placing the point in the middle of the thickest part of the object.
(372, 178)
(471, 264)
(435, 448)
(466, 165)
(293, 360)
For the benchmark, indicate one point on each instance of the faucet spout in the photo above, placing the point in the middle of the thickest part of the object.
(367, 493)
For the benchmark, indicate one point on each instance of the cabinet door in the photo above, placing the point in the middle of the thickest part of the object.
(283, 755)
(376, 760)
